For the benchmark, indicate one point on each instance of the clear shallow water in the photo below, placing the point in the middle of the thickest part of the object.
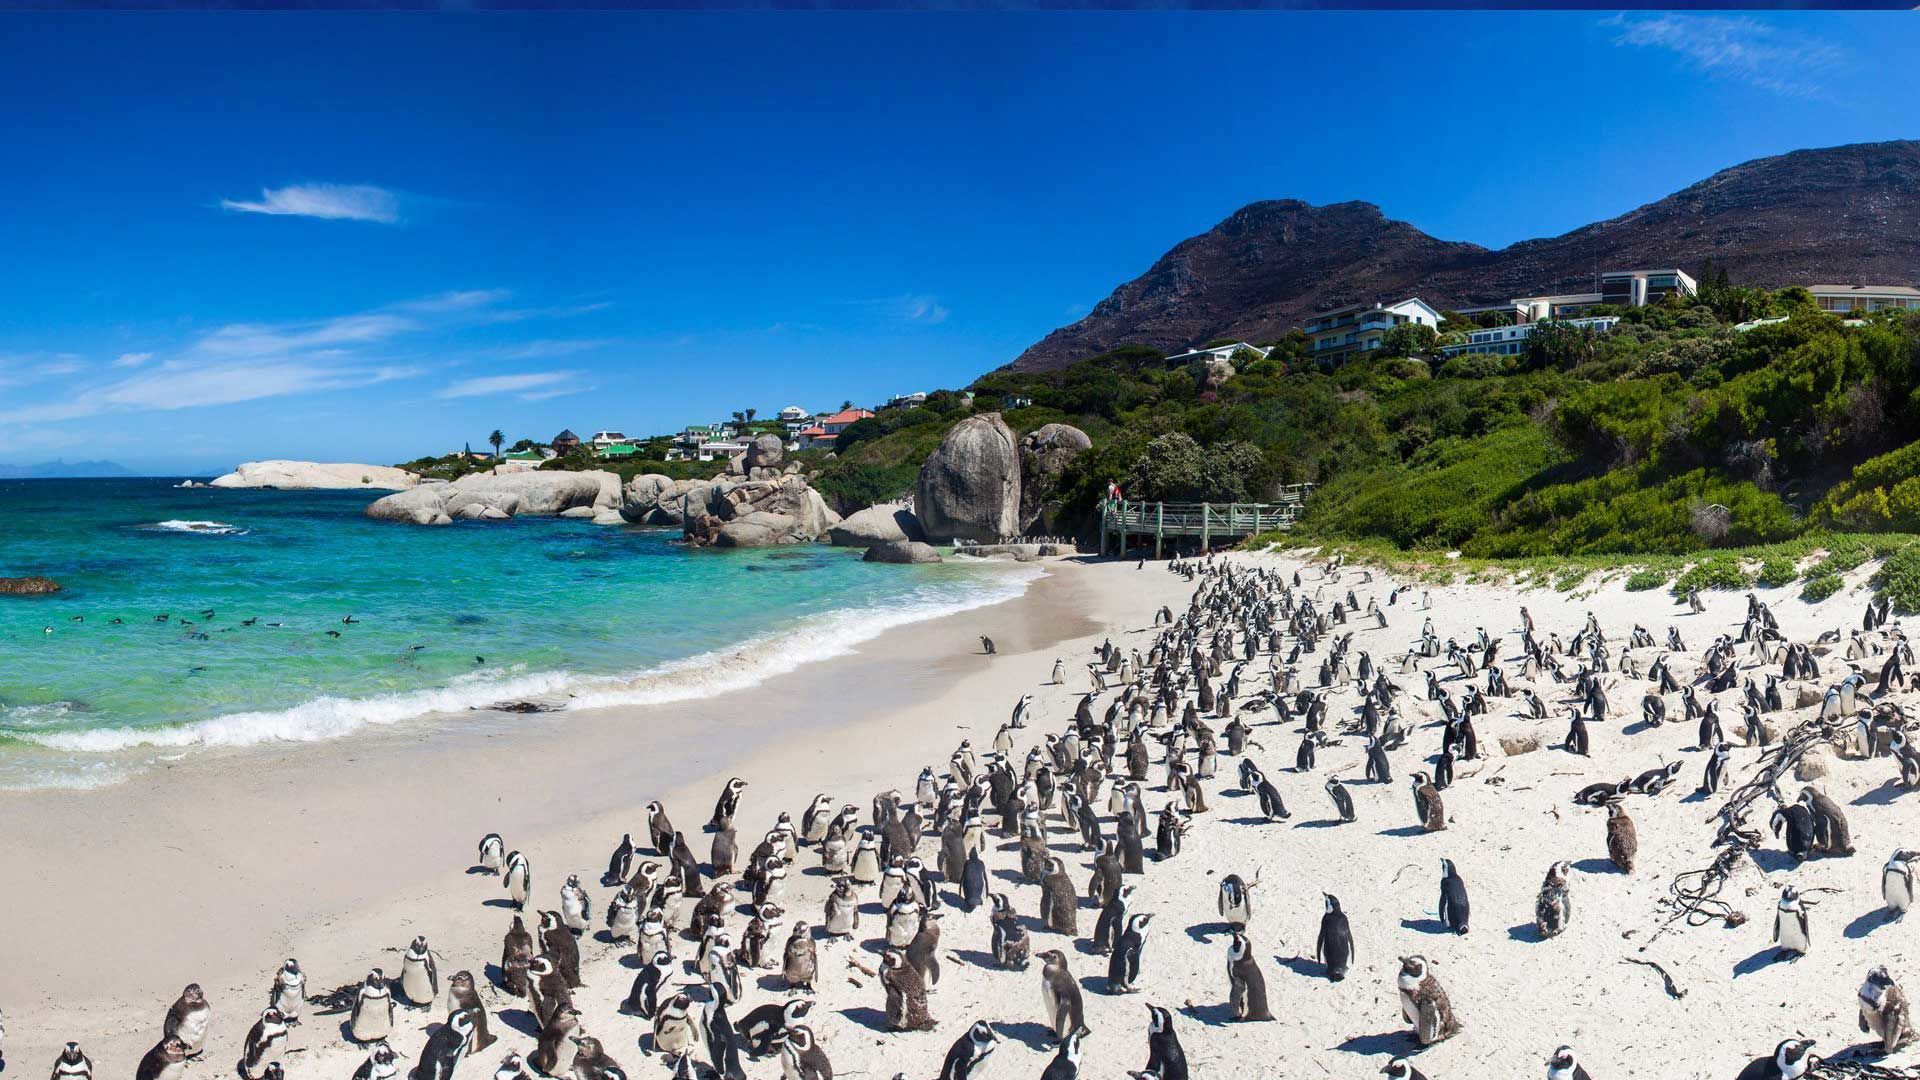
(446, 618)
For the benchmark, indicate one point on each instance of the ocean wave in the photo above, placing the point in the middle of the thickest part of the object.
(751, 661)
(202, 528)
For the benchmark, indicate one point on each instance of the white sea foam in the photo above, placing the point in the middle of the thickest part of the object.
(751, 661)
(204, 528)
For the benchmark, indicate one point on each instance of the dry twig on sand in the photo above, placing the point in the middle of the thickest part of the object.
(1673, 990)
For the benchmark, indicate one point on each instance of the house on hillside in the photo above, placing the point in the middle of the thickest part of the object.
(907, 401)
(793, 414)
(827, 427)
(603, 439)
(1214, 352)
(1512, 340)
(565, 443)
(619, 451)
(1844, 299)
(1357, 329)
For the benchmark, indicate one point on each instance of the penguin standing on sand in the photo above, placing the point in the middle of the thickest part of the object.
(372, 1018)
(906, 994)
(576, 908)
(166, 1061)
(1883, 1011)
(1334, 946)
(1011, 943)
(1060, 995)
(419, 978)
(1553, 910)
(1059, 904)
(188, 1019)
(801, 1057)
(1066, 1063)
(1166, 1058)
(383, 1064)
(801, 959)
(1236, 901)
(289, 993)
(1896, 883)
(1342, 800)
(560, 946)
(673, 1028)
(1623, 841)
(464, 997)
(1790, 930)
(1401, 1069)
(644, 998)
(516, 952)
(518, 880)
(1453, 898)
(1246, 987)
(72, 1064)
(445, 1047)
(1424, 1003)
(1123, 968)
(727, 805)
(266, 1036)
(967, 1059)
(1428, 805)
(1716, 769)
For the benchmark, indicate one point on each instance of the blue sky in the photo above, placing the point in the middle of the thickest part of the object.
(365, 238)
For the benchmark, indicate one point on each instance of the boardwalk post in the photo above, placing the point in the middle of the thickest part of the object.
(1105, 505)
(1159, 526)
(1206, 513)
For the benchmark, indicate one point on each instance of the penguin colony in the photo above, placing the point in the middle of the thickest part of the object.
(1037, 860)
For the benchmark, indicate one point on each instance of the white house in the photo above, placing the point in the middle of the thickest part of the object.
(1346, 332)
(792, 413)
(1215, 352)
(1853, 298)
(908, 401)
(1512, 340)
(603, 439)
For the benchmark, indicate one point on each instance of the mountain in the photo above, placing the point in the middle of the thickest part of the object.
(63, 469)
(1842, 214)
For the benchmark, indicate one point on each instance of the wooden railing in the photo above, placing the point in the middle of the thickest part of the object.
(1122, 518)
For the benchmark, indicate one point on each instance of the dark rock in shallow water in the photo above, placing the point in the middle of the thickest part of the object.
(522, 706)
(28, 586)
(901, 551)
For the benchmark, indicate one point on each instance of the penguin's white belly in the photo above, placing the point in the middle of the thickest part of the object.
(1897, 890)
(623, 925)
(413, 980)
(1791, 939)
(573, 913)
(1052, 1005)
(193, 1030)
(372, 1020)
(1407, 1007)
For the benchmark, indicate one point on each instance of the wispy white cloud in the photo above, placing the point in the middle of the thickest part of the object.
(330, 202)
(1737, 47)
(543, 348)
(532, 385)
(922, 309)
(62, 365)
(131, 359)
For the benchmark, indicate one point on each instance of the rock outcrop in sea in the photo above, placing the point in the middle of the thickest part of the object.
(969, 488)
(1044, 456)
(884, 523)
(316, 476)
(28, 586)
(901, 551)
(486, 497)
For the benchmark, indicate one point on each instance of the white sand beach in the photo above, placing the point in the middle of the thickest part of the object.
(216, 869)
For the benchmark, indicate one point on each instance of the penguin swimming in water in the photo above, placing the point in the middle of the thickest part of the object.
(1334, 946)
(1453, 898)
(967, 1058)
(1246, 987)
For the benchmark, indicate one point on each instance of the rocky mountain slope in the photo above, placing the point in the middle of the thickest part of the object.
(1842, 214)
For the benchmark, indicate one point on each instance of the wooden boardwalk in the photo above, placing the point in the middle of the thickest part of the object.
(1120, 518)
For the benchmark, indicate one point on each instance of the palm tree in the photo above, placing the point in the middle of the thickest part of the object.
(750, 413)
(496, 439)
(739, 417)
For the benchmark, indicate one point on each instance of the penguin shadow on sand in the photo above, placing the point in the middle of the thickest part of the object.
(1404, 831)
(1320, 823)
(1762, 960)
(977, 958)
(1771, 861)
(1396, 1043)
(1426, 926)
(1527, 932)
(867, 1017)
(1597, 865)
(1303, 966)
(1031, 1034)
(1884, 795)
(500, 902)
(1868, 921)
(1219, 1014)
(1206, 933)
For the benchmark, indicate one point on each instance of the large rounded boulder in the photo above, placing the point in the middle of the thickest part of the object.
(876, 525)
(901, 551)
(1044, 456)
(970, 487)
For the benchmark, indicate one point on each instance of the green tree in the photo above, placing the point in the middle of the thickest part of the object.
(1409, 339)
(496, 439)
(750, 413)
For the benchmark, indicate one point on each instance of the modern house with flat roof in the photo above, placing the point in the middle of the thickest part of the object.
(1842, 299)
(1346, 332)
(603, 439)
(793, 412)
(1512, 340)
(1214, 352)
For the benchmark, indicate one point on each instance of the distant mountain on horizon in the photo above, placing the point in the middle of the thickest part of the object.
(1841, 215)
(64, 470)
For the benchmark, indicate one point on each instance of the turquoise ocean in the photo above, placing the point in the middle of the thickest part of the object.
(196, 617)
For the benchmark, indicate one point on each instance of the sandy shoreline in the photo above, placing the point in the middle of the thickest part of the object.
(217, 866)
(217, 869)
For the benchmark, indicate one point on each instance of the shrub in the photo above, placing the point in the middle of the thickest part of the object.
(1820, 586)
(1899, 578)
(1778, 570)
(1717, 573)
(1646, 578)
